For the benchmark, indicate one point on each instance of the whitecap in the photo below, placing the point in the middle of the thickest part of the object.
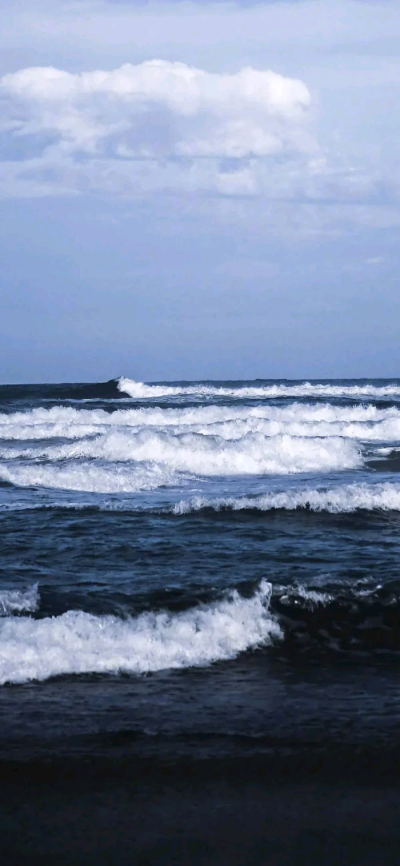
(140, 390)
(345, 498)
(77, 642)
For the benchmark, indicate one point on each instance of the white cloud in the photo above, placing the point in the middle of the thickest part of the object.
(157, 125)
(201, 128)
(158, 109)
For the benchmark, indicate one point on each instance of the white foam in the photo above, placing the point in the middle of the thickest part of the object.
(310, 597)
(165, 446)
(157, 455)
(19, 601)
(87, 477)
(79, 642)
(139, 390)
(343, 499)
(229, 422)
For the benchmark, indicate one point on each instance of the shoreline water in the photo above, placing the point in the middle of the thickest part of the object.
(199, 623)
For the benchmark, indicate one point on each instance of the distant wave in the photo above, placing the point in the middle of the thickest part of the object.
(343, 499)
(140, 390)
(117, 389)
(78, 642)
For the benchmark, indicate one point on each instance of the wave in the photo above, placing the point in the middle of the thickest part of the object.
(340, 499)
(117, 389)
(361, 423)
(353, 622)
(160, 459)
(136, 449)
(86, 477)
(291, 621)
(308, 598)
(366, 423)
(343, 499)
(19, 601)
(140, 390)
(77, 642)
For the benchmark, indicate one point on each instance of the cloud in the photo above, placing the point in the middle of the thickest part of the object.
(169, 127)
(156, 110)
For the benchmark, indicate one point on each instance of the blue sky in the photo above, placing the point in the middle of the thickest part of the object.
(199, 190)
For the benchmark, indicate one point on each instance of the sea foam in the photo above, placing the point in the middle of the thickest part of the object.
(342, 499)
(229, 422)
(78, 642)
(19, 601)
(134, 449)
(140, 390)
(86, 477)
(159, 458)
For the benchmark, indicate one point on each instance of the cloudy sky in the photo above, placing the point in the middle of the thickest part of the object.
(199, 189)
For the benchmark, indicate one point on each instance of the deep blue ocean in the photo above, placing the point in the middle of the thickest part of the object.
(199, 585)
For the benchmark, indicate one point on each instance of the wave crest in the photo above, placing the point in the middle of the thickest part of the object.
(345, 498)
(365, 423)
(154, 459)
(77, 642)
(140, 390)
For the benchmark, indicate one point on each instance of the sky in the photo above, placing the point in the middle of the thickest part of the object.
(199, 190)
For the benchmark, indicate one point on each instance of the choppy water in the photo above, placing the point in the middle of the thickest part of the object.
(207, 560)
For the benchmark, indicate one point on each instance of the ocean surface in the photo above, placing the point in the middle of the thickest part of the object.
(199, 602)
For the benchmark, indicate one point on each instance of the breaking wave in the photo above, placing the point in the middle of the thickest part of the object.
(160, 459)
(342, 499)
(140, 390)
(86, 477)
(364, 422)
(77, 642)
(347, 621)
(114, 450)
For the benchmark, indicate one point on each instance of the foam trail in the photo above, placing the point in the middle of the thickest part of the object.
(342, 499)
(140, 390)
(79, 642)
(19, 601)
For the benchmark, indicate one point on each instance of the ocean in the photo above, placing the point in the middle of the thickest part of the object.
(200, 622)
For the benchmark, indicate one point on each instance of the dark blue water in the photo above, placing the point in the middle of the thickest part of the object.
(198, 581)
